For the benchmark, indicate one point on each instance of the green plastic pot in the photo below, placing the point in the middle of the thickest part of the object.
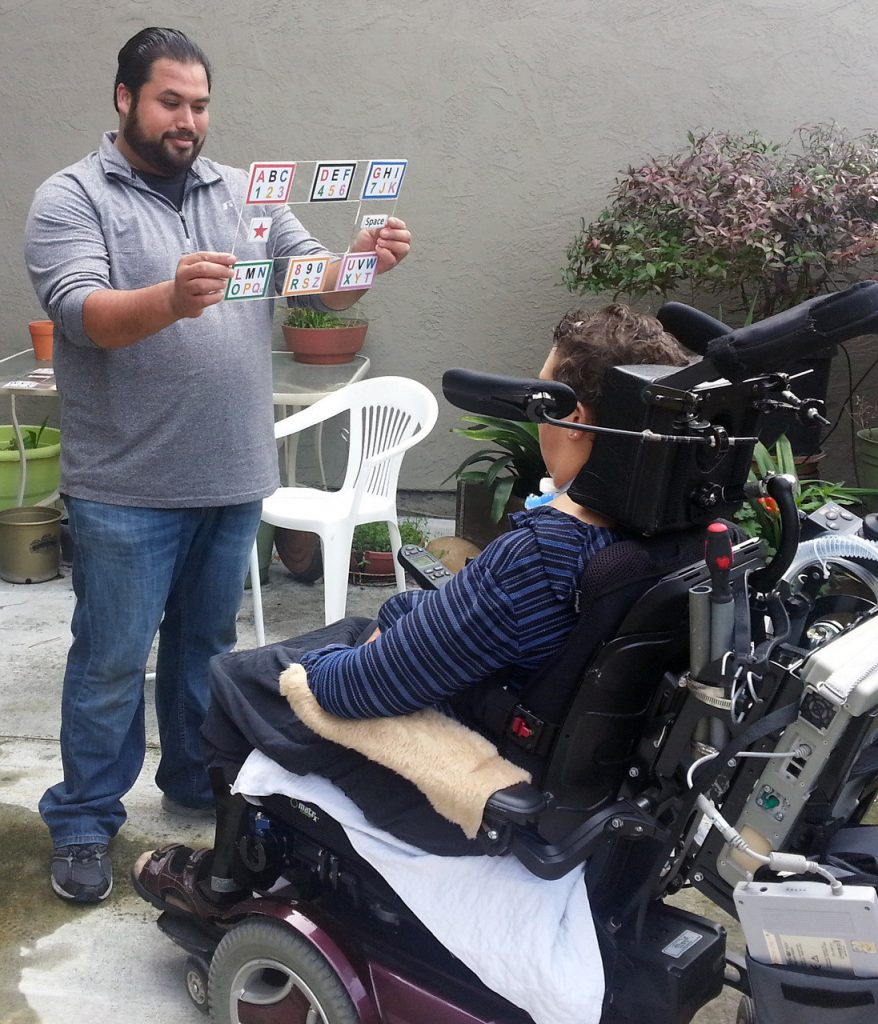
(43, 467)
(264, 544)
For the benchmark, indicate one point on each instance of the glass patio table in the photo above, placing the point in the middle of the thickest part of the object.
(294, 385)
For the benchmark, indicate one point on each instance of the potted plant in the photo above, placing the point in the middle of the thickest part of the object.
(42, 333)
(42, 452)
(371, 555)
(864, 415)
(761, 225)
(314, 336)
(758, 225)
(497, 478)
(761, 518)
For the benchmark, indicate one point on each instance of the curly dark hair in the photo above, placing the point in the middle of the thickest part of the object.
(587, 343)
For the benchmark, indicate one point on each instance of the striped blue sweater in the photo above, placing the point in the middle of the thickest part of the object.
(511, 608)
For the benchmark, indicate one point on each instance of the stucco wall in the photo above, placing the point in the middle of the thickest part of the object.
(515, 117)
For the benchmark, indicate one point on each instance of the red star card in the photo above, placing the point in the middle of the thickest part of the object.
(259, 228)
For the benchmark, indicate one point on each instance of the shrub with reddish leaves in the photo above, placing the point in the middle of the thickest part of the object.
(760, 225)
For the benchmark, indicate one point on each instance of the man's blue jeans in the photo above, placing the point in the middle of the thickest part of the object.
(138, 571)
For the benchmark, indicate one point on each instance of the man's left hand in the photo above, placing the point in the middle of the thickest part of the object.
(392, 243)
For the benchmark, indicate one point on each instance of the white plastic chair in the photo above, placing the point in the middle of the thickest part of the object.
(387, 416)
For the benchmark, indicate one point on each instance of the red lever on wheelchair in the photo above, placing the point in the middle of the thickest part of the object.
(719, 558)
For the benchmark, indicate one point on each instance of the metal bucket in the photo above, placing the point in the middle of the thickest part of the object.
(29, 544)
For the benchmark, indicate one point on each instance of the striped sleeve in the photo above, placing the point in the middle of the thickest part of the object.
(513, 606)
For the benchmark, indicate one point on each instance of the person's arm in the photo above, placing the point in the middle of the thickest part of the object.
(69, 264)
(116, 319)
(460, 634)
(392, 243)
(394, 608)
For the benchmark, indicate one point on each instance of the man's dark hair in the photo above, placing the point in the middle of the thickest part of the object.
(588, 343)
(138, 55)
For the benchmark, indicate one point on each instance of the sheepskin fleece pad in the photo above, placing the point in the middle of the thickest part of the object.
(456, 768)
(530, 940)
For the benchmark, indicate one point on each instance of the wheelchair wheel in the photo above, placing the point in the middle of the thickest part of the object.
(746, 1011)
(195, 977)
(264, 970)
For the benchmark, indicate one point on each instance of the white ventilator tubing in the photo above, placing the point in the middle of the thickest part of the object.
(840, 549)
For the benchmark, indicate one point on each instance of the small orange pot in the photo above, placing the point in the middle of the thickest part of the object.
(41, 333)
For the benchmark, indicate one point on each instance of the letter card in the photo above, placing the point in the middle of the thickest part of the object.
(270, 183)
(305, 276)
(250, 280)
(357, 271)
(384, 179)
(332, 182)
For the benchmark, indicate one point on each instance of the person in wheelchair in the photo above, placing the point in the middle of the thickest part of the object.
(506, 613)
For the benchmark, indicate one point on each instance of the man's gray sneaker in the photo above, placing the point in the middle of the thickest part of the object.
(82, 873)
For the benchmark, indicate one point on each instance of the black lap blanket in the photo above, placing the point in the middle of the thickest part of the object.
(247, 711)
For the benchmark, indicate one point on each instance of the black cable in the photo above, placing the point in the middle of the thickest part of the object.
(851, 390)
(853, 427)
(643, 435)
(847, 357)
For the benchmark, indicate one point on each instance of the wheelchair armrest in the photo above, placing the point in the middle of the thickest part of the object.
(521, 804)
(621, 820)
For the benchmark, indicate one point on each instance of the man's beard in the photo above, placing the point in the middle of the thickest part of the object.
(161, 156)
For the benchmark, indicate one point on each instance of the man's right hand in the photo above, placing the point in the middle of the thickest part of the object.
(200, 281)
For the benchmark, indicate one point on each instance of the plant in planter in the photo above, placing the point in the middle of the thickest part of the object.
(314, 336)
(761, 518)
(371, 555)
(498, 477)
(42, 452)
(735, 215)
(864, 416)
(759, 225)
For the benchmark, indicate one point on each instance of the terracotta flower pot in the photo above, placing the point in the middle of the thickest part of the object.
(372, 568)
(41, 333)
(325, 344)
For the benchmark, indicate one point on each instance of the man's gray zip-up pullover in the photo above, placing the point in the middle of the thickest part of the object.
(183, 418)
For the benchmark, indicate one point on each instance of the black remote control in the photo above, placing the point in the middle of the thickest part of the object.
(427, 570)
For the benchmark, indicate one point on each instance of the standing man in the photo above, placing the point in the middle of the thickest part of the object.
(167, 422)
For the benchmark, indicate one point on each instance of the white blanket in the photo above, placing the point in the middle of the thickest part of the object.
(530, 940)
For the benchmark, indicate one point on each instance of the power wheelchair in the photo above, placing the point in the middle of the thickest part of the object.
(711, 723)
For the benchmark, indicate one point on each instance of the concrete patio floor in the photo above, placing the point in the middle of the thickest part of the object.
(61, 963)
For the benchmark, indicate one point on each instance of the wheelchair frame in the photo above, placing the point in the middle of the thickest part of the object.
(670, 737)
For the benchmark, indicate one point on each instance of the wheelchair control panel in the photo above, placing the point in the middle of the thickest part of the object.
(832, 518)
(429, 572)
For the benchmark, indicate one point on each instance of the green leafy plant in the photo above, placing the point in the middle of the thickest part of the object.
(762, 225)
(312, 319)
(761, 518)
(376, 536)
(512, 457)
(29, 438)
